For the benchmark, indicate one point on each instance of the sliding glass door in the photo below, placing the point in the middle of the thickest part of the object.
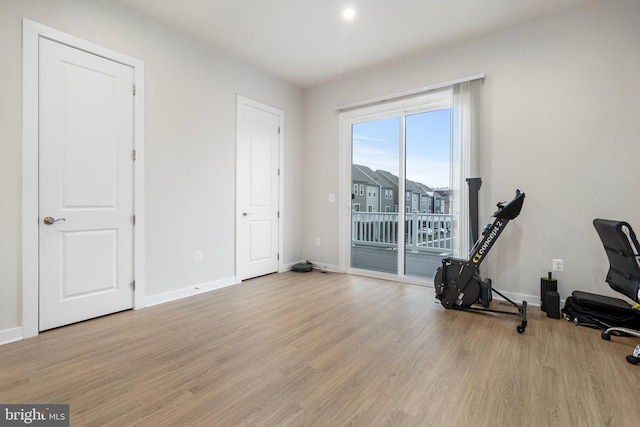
(400, 182)
(406, 161)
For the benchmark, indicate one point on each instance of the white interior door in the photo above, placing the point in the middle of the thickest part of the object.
(258, 188)
(85, 185)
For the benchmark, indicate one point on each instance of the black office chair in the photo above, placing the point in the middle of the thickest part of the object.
(622, 249)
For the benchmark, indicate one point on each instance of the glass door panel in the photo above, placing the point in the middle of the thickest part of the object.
(374, 194)
(428, 222)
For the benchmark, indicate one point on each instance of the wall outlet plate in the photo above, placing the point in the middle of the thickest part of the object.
(558, 265)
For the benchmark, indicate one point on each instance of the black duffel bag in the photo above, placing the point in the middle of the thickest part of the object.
(599, 311)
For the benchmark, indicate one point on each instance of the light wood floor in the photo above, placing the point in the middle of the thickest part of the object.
(316, 349)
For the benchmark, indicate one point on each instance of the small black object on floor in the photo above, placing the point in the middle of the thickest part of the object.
(549, 296)
(302, 267)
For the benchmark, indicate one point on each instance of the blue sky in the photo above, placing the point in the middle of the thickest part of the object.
(376, 145)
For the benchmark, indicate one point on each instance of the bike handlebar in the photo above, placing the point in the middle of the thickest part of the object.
(512, 209)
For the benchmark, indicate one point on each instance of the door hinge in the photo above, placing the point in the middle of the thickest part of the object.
(133, 154)
(278, 214)
(278, 257)
(133, 218)
(134, 90)
(278, 171)
(133, 285)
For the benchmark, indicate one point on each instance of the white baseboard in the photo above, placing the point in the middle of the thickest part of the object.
(189, 291)
(316, 265)
(326, 267)
(532, 300)
(288, 267)
(514, 297)
(11, 335)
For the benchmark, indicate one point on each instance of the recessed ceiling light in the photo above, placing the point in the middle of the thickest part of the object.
(349, 13)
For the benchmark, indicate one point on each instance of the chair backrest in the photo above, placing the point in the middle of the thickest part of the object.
(622, 249)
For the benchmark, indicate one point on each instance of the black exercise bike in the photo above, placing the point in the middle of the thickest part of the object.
(458, 283)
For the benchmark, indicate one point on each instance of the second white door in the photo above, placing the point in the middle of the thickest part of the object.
(258, 151)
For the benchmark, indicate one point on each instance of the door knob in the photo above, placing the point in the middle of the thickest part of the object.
(48, 220)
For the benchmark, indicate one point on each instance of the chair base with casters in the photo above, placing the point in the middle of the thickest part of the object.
(633, 358)
(623, 251)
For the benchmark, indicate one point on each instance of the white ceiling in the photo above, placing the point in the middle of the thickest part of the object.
(307, 42)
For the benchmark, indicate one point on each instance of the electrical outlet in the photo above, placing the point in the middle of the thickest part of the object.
(198, 256)
(317, 241)
(558, 265)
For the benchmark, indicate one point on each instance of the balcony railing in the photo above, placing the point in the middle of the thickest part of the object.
(423, 232)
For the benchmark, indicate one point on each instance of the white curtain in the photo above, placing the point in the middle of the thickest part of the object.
(465, 132)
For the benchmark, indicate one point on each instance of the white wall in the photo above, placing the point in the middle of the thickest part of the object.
(561, 121)
(190, 127)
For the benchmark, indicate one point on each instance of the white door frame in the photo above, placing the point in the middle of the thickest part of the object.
(240, 101)
(31, 32)
(428, 101)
